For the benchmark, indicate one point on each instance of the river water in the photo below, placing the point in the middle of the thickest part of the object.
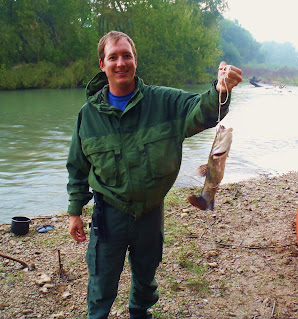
(36, 128)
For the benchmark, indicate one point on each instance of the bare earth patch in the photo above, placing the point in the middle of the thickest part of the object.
(238, 261)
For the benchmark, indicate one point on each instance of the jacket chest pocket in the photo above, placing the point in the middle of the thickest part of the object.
(104, 161)
(163, 155)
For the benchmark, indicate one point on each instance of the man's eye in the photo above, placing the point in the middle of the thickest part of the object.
(112, 58)
(127, 56)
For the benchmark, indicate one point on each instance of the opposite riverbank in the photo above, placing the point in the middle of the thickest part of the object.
(47, 75)
(238, 261)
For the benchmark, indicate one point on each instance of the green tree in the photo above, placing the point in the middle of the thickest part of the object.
(176, 40)
(44, 30)
(238, 44)
(174, 45)
(211, 10)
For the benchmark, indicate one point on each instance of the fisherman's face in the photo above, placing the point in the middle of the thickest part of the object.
(120, 65)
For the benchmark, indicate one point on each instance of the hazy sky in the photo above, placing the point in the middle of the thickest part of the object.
(267, 20)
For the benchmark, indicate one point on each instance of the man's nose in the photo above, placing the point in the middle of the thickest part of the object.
(120, 61)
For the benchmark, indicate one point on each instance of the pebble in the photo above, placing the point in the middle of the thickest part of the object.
(211, 253)
(178, 280)
(44, 290)
(253, 269)
(286, 261)
(48, 286)
(27, 311)
(213, 265)
(240, 270)
(59, 315)
(120, 312)
(32, 266)
(66, 294)
(267, 302)
(43, 279)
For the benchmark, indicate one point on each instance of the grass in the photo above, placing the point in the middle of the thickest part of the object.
(198, 284)
(51, 240)
(156, 313)
(82, 316)
(223, 286)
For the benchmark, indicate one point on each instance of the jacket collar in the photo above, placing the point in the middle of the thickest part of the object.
(98, 86)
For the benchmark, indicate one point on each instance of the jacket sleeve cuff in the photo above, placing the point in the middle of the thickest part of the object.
(75, 208)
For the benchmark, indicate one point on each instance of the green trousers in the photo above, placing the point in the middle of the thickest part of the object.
(144, 240)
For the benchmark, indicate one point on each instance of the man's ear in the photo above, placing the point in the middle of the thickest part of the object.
(101, 65)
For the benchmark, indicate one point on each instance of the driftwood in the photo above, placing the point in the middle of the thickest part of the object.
(25, 265)
(254, 81)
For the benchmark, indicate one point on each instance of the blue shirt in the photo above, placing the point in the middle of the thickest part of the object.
(119, 101)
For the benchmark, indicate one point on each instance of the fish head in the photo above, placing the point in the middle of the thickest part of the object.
(222, 143)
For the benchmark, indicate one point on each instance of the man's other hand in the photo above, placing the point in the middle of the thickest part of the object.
(76, 228)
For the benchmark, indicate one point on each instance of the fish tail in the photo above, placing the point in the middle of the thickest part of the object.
(211, 205)
(198, 202)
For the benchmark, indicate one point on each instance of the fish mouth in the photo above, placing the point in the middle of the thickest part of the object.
(223, 142)
(220, 154)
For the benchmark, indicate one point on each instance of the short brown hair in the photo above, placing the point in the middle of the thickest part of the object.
(114, 36)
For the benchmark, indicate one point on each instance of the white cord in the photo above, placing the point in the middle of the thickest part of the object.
(223, 77)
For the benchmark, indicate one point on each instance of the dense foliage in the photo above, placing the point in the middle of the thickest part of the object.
(53, 43)
(280, 54)
(238, 44)
(240, 48)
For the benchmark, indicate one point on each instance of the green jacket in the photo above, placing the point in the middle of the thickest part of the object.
(133, 157)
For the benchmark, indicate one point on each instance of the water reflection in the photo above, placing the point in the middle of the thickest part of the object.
(36, 128)
(265, 136)
(35, 131)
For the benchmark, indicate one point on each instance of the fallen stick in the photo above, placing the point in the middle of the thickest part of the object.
(60, 264)
(252, 247)
(265, 261)
(273, 309)
(25, 265)
(62, 273)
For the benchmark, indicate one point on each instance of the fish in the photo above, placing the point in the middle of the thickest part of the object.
(214, 169)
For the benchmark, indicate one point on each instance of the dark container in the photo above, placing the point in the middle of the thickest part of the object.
(20, 225)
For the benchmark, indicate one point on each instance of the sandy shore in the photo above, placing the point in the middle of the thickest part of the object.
(238, 261)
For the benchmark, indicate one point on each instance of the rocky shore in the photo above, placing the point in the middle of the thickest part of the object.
(238, 261)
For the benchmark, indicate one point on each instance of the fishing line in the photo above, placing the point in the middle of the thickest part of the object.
(225, 71)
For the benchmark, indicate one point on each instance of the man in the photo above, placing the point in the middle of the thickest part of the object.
(127, 146)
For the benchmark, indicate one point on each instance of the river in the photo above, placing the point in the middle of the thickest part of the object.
(36, 128)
